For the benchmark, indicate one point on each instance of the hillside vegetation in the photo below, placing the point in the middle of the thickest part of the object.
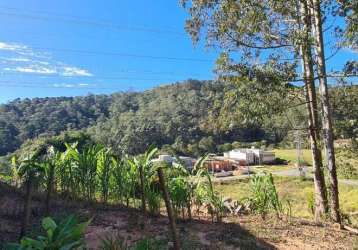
(187, 118)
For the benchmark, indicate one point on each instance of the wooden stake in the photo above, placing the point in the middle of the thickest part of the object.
(169, 209)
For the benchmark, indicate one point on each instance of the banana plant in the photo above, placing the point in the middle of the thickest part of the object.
(15, 172)
(143, 163)
(53, 161)
(30, 170)
(204, 190)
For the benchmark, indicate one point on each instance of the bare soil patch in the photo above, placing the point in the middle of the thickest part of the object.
(242, 232)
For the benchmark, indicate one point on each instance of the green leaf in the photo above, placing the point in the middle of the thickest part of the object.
(49, 224)
(12, 246)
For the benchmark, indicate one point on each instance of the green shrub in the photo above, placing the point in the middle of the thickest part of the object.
(310, 201)
(65, 236)
(116, 242)
(347, 163)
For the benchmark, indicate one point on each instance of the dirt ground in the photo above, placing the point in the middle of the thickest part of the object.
(239, 232)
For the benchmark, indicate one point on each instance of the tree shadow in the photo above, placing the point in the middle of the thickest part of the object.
(220, 234)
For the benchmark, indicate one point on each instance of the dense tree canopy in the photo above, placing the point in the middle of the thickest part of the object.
(193, 117)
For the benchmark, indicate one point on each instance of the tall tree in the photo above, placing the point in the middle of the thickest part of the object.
(313, 123)
(256, 31)
(349, 10)
(328, 137)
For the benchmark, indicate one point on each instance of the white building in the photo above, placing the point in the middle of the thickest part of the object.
(251, 156)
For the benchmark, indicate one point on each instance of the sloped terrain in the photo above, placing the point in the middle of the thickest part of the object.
(243, 232)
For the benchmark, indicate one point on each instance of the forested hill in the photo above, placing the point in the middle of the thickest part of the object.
(171, 114)
(29, 118)
(185, 117)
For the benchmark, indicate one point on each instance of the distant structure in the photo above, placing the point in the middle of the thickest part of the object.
(233, 160)
(188, 162)
(251, 156)
(219, 163)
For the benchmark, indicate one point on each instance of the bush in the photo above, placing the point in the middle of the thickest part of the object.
(66, 235)
(116, 242)
(225, 147)
(347, 163)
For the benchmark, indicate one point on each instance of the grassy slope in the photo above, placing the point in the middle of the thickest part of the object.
(291, 155)
(295, 190)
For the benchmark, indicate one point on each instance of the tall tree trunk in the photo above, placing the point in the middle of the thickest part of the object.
(326, 109)
(142, 191)
(319, 183)
(27, 206)
(169, 209)
(50, 187)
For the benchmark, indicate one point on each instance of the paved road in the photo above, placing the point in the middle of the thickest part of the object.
(285, 173)
(295, 172)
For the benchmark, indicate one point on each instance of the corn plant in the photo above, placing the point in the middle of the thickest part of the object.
(179, 191)
(264, 197)
(153, 197)
(82, 171)
(104, 168)
(65, 171)
(87, 172)
(124, 180)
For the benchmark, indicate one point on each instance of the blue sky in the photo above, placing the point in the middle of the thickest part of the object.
(55, 48)
(67, 48)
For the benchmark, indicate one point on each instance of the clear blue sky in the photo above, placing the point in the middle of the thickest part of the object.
(108, 45)
(66, 48)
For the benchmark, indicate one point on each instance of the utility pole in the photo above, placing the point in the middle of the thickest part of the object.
(298, 141)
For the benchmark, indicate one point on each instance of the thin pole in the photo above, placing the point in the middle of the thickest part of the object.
(169, 209)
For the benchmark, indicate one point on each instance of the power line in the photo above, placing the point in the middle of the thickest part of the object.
(70, 35)
(89, 77)
(121, 54)
(37, 85)
(87, 21)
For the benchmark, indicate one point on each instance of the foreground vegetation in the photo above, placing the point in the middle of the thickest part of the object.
(92, 174)
(300, 194)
